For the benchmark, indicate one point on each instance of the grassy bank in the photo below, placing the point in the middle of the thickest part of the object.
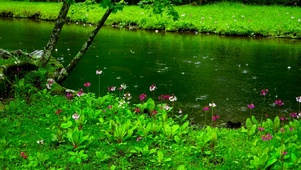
(80, 131)
(221, 18)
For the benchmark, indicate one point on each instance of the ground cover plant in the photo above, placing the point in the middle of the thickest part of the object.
(77, 130)
(218, 18)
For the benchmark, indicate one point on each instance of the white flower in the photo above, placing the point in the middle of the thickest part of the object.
(41, 142)
(172, 98)
(123, 86)
(98, 72)
(166, 107)
(75, 116)
(298, 99)
(212, 104)
(152, 87)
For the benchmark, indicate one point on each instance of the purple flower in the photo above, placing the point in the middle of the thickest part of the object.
(215, 117)
(261, 128)
(142, 96)
(266, 137)
(69, 95)
(294, 114)
(279, 102)
(283, 118)
(80, 93)
(206, 108)
(88, 84)
(251, 106)
(264, 92)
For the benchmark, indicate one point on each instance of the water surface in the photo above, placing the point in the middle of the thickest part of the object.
(197, 68)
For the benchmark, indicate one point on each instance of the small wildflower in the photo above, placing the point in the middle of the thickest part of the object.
(180, 111)
(266, 137)
(111, 88)
(80, 93)
(123, 86)
(298, 99)
(293, 115)
(40, 142)
(284, 153)
(49, 83)
(75, 116)
(264, 92)
(166, 107)
(260, 129)
(88, 84)
(142, 96)
(110, 107)
(137, 110)
(23, 155)
(282, 130)
(251, 106)
(206, 108)
(138, 139)
(279, 102)
(98, 72)
(154, 112)
(215, 117)
(69, 95)
(127, 96)
(152, 87)
(212, 104)
(283, 118)
(172, 98)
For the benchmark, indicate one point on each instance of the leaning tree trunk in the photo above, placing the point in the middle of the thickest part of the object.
(85, 47)
(55, 33)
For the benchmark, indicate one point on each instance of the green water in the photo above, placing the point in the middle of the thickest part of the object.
(196, 68)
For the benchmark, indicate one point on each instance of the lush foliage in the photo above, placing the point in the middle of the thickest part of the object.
(78, 130)
(221, 18)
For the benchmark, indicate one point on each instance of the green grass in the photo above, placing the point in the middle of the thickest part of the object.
(221, 18)
(112, 134)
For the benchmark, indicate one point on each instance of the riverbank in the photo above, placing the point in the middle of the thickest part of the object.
(222, 18)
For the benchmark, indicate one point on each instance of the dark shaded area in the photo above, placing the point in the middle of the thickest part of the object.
(233, 125)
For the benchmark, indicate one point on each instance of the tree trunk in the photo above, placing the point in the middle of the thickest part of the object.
(55, 33)
(85, 46)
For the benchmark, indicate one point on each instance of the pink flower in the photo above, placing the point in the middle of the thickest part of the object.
(137, 110)
(142, 96)
(80, 93)
(152, 87)
(279, 102)
(111, 88)
(264, 92)
(251, 106)
(69, 95)
(98, 72)
(206, 108)
(215, 117)
(283, 118)
(23, 155)
(294, 114)
(110, 107)
(88, 84)
(266, 137)
(260, 128)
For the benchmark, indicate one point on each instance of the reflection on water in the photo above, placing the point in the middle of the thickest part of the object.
(198, 69)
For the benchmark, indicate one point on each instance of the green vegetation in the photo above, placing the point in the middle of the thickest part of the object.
(221, 18)
(42, 130)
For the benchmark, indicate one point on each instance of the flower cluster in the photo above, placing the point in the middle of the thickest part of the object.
(206, 108)
(298, 99)
(142, 96)
(164, 97)
(266, 137)
(251, 106)
(152, 87)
